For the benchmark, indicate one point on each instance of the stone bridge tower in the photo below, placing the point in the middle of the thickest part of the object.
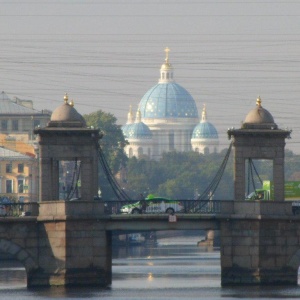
(259, 138)
(73, 247)
(259, 240)
(67, 139)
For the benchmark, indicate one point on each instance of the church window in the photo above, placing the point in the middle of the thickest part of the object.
(167, 75)
(130, 152)
(140, 151)
(171, 141)
(206, 150)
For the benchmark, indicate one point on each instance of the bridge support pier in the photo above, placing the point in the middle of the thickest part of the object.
(259, 251)
(74, 248)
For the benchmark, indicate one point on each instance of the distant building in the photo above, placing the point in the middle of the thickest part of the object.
(167, 120)
(18, 176)
(18, 118)
(205, 137)
(18, 162)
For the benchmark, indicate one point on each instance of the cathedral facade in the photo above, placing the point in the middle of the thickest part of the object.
(167, 120)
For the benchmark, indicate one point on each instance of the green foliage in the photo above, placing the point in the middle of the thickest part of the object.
(112, 145)
(179, 175)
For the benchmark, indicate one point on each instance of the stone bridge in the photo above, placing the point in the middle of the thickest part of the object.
(69, 243)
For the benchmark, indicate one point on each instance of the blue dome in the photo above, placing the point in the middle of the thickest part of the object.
(168, 100)
(205, 130)
(125, 129)
(138, 131)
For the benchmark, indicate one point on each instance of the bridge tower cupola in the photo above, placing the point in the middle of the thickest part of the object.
(67, 139)
(258, 138)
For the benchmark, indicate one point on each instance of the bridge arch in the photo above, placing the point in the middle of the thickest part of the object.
(20, 254)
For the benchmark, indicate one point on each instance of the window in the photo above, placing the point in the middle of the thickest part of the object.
(9, 186)
(130, 152)
(20, 185)
(15, 125)
(36, 123)
(140, 152)
(4, 125)
(171, 142)
(20, 168)
(9, 168)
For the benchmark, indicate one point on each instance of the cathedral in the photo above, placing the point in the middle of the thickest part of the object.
(167, 120)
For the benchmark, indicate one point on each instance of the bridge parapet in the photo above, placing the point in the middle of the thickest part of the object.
(267, 208)
(71, 208)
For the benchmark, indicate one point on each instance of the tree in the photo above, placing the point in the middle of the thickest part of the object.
(112, 145)
(180, 175)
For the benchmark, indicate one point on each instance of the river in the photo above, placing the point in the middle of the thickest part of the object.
(174, 269)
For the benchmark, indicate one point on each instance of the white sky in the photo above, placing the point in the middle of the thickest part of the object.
(107, 54)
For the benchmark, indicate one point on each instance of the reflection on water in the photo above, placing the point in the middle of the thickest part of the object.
(12, 275)
(174, 269)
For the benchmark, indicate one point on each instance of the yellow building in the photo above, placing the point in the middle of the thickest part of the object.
(18, 176)
(18, 162)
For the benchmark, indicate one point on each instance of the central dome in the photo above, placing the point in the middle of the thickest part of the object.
(168, 100)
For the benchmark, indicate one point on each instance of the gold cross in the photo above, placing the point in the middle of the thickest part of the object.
(167, 50)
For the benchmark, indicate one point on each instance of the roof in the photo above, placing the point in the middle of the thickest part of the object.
(12, 155)
(66, 116)
(137, 131)
(259, 117)
(9, 107)
(168, 100)
(205, 130)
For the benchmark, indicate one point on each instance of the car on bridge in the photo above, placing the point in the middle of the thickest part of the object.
(153, 205)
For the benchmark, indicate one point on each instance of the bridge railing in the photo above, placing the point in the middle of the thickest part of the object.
(186, 207)
(18, 209)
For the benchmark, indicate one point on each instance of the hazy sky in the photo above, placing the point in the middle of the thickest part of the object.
(107, 54)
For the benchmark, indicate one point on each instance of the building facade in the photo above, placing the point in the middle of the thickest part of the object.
(18, 160)
(18, 176)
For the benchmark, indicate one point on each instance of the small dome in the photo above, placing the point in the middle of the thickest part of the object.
(66, 116)
(259, 117)
(205, 130)
(125, 129)
(139, 131)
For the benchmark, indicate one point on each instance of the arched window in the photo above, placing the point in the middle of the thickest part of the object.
(206, 150)
(130, 152)
(140, 151)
